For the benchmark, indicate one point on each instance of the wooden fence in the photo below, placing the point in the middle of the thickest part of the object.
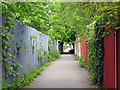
(111, 75)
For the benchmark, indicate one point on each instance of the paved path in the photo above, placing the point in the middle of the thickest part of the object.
(62, 73)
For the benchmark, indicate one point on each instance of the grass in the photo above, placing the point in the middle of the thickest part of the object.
(26, 78)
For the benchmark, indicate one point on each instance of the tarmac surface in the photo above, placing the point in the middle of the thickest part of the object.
(62, 73)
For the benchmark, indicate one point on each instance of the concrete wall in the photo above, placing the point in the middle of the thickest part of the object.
(77, 47)
(29, 37)
(55, 45)
(28, 44)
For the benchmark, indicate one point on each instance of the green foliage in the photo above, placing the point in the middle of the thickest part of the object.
(11, 68)
(110, 11)
(24, 48)
(63, 21)
(73, 17)
(82, 62)
(34, 41)
(46, 57)
(55, 54)
(26, 78)
(71, 20)
(64, 45)
(52, 53)
(96, 52)
(38, 15)
(40, 57)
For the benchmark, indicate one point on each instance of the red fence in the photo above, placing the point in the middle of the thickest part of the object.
(84, 50)
(109, 61)
(118, 58)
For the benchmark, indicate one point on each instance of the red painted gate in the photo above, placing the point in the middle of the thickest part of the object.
(84, 50)
(118, 59)
(109, 61)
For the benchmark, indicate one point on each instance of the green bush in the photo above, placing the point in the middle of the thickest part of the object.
(26, 78)
(82, 62)
(96, 53)
(55, 54)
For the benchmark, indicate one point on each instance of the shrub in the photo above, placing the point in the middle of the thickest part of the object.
(82, 62)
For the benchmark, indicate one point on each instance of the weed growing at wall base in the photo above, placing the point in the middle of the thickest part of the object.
(81, 61)
(26, 78)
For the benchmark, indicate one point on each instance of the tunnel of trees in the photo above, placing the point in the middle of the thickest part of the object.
(63, 21)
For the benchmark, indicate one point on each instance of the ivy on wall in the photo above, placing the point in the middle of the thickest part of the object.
(96, 52)
(45, 57)
(11, 68)
(62, 21)
(54, 54)
(13, 11)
